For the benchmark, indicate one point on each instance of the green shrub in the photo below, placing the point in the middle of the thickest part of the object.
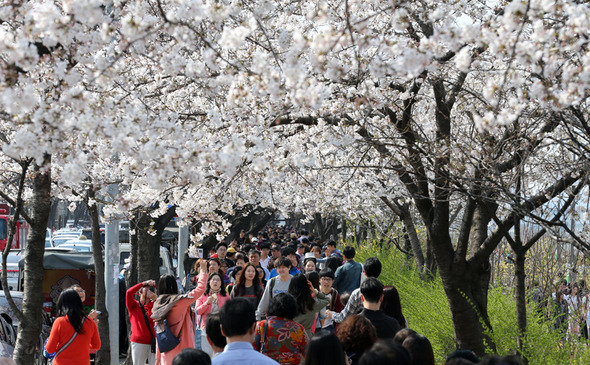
(427, 311)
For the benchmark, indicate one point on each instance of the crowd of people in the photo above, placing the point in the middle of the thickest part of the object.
(569, 309)
(278, 297)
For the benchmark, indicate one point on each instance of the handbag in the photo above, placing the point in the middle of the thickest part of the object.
(164, 336)
(53, 355)
(147, 323)
(198, 331)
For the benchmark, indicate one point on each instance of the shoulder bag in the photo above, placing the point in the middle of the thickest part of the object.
(164, 336)
(198, 333)
(147, 323)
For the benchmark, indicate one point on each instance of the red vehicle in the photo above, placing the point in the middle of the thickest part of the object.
(22, 229)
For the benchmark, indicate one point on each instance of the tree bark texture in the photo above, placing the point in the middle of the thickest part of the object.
(149, 237)
(520, 293)
(103, 355)
(403, 212)
(30, 328)
(467, 293)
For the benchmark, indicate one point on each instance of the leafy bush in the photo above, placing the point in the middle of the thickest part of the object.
(427, 311)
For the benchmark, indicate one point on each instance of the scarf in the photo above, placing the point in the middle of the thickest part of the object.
(164, 304)
(215, 303)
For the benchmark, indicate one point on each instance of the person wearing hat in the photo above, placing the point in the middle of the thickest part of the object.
(289, 253)
(231, 253)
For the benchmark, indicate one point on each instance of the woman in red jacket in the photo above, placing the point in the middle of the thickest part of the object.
(73, 334)
(142, 326)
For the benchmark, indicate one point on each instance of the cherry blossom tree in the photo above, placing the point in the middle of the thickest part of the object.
(343, 105)
(420, 109)
(356, 106)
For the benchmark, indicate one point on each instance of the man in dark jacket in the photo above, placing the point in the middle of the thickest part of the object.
(372, 295)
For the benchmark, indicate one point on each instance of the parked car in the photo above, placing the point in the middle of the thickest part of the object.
(165, 261)
(61, 238)
(78, 245)
(7, 337)
(87, 232)
(13, 272)
(7, 317)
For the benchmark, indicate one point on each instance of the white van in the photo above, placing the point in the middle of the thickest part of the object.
(165, 259)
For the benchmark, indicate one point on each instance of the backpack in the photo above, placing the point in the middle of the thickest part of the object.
(272, 285)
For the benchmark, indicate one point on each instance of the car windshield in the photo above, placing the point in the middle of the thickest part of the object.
(62, 240)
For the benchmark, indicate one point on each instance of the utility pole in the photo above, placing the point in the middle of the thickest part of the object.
(111, 277)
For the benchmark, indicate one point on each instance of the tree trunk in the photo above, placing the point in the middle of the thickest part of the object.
(30, 328)
(467, 292)
(413, 237)
(51, 223)
(147, 250)
(131, 274)
(403, 212)
(103, 355)
(466, 286)
(148, 243)
(430, 262)
(520, 293)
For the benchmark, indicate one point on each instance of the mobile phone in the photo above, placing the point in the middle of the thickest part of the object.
(98, 312)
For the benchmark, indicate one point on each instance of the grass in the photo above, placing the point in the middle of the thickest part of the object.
(427, 311)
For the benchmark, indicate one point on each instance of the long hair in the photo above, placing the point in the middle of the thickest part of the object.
(302, 293)
(325, 349)
(167, 285)
(69, 304)
(240, 286)
(221, 288)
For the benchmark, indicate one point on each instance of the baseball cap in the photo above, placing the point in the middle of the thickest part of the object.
(231, 250)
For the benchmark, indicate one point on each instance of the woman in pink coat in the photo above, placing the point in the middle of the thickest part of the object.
(214, 298)
(175, 308)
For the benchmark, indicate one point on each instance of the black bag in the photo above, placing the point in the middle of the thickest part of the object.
(166, 339)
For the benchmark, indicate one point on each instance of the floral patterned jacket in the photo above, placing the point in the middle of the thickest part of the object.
(284, 340)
